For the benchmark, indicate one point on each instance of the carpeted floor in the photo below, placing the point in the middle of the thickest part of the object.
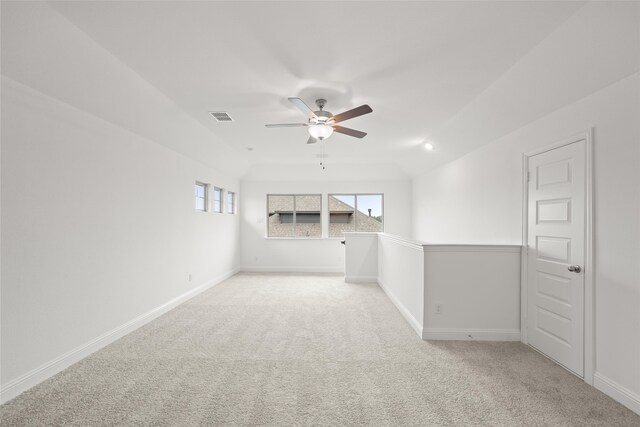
(307, 350)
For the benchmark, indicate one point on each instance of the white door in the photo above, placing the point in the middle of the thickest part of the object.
(556, 254)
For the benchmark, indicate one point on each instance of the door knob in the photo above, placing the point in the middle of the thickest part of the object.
(575, 268)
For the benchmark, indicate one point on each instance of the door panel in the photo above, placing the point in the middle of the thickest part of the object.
(556, 236)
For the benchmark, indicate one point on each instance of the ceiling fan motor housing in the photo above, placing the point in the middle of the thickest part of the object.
(321, 117)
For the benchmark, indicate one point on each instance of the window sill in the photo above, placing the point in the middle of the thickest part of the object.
(294, 238)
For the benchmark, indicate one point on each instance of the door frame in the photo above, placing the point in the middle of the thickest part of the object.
(589, 296)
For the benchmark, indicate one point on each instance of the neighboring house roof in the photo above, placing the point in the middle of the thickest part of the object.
(284, 203)
(308, 203)
(336, 205)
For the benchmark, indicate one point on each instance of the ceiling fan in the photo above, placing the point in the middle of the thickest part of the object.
(321, 124)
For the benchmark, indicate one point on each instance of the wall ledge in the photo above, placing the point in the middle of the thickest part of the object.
(445, 247)
(34, 377)
(431, 247)
(413, 244)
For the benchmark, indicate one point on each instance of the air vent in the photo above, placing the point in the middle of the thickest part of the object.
(221, 116)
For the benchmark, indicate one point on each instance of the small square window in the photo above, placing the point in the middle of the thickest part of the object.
(217, 199)
(231, 202)
(201, 196)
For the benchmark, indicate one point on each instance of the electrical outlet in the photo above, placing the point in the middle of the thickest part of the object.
(189, 276)
(439, 308)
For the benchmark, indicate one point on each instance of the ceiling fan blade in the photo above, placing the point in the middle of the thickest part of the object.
(311, 140)
(287, 125)
(350, 132)
(302, 107)
(358, 111)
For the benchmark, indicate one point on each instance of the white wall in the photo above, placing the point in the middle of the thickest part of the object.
(401, 276)
(98, 219)
(478, 199)
(361, 257)
(477, 289)
(585, 74)
(311, 255)
(98, 227)
(446, 292)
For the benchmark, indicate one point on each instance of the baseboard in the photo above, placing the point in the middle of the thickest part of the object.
(403, 310)
(454, 334)
(617, 392)
(49, 369)
(361, 279)
(270, 269)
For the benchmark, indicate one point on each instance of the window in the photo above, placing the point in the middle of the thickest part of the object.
(355, 212)
(294, 215)
(201, 196)
(231, 202)
(217, 199)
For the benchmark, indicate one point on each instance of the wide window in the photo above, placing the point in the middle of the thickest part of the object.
(231, 202)
(294, 215)
(217, 199)
(201, 196)
(355, 212)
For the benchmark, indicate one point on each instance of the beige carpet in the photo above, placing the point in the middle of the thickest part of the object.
(307, 350)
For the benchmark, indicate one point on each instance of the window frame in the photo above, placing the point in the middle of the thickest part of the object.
(213, 199)
(233, 209)
(355, 210)
(293, 222)
(205, 188)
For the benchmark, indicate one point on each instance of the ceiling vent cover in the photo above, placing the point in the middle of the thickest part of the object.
(221, 116)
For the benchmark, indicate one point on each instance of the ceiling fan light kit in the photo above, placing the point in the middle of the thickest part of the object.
(320, 131)
(321, 124)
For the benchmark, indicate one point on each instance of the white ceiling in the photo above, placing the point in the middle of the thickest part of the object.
(419, 65)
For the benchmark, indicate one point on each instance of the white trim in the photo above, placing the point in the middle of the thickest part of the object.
(524, 255)
(51, 368)
(470, 248)
(272, 269)
(574, 138)
(617, 392)
(413, 244)
(361, 279)
(589, 264)
(455, 334)
(442, 247)
(296, 238)
(413, 322)
(589, 300)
